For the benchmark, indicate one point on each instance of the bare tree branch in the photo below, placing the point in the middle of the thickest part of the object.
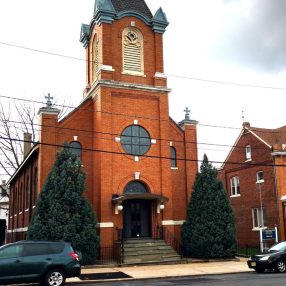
(15, 120)
(5, 169)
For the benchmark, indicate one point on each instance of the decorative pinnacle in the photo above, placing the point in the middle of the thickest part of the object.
(187, 113)
(49, 103)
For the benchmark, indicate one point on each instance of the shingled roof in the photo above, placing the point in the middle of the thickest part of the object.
(132, 5)
(270, 136)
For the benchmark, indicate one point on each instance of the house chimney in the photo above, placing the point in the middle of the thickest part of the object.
(245, 124)
(27, 143)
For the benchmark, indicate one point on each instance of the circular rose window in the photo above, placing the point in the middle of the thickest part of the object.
(135, 140)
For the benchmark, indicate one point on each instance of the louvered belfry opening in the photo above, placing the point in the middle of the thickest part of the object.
(132, 51)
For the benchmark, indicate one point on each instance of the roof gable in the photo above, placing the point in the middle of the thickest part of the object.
(269, 137)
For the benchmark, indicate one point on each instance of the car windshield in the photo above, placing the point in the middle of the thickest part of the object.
(278, 247)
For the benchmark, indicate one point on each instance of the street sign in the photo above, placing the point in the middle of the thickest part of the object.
(268, 234)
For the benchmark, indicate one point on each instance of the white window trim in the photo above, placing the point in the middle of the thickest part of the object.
(258, 218)
(248, 154)
(257, 178)
(237, 183)
(258, 228)
(235, 196)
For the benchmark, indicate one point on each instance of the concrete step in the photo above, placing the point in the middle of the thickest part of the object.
(147, 251)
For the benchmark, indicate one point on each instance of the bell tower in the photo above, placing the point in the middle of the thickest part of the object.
(132, 183)
(124, 44)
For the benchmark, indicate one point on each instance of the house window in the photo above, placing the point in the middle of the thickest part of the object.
(76, 148)
(248, 152)
(259, 177)
(20, 198)
(173, 157)
(35, 190)
(235, 186)
(135, 140)
(27, 192)
(132, 49)
(258, 217)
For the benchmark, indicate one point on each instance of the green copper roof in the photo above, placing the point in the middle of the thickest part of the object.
(107, 11)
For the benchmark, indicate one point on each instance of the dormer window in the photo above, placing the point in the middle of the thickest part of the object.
(248, 153)
(132, 51)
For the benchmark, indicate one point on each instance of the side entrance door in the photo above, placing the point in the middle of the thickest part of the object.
(137, 218)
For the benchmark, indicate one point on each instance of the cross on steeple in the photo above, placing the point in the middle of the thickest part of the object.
(49, 103)
(187, 115)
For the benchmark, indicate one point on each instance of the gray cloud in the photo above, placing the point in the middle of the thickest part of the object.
(256, 39)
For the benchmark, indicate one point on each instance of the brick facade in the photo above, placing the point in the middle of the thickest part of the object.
(114, 100)
(255, 195)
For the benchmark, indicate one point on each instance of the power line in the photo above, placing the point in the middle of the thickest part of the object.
(170, 75)
(150, 156)
(144, 117)
(91, 132)
(41, 51)
(228, 82)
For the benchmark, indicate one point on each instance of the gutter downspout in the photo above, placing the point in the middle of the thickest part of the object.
(276, 192)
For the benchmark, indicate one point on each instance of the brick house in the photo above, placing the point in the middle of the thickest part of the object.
(254, 175)
(4, 207)
(140, 164)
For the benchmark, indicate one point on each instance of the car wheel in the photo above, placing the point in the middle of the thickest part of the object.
(280, 266)
(259, 270)
(55, 277)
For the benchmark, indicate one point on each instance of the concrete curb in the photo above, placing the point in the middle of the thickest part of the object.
(197, 268)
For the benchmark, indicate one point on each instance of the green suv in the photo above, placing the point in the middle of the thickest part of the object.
(46, 262)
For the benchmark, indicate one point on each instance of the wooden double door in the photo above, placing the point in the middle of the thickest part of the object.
(137, 218)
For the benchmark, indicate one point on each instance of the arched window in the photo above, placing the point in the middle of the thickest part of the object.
(35, 190)
(135, 187)
(135, 140)
(132, 51)
(76, 148)
(27, 193)
(173, 157)
(94, 59)
(20, 198)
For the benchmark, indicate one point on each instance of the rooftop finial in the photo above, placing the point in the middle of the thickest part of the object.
(242, 116)
(187, 113)
(49, 103)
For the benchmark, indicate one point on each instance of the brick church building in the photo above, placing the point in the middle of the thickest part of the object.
(140, 164)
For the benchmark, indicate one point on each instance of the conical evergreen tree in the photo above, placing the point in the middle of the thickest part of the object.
(62, 212)
(209, 230)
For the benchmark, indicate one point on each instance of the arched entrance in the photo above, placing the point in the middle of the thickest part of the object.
(136, 212)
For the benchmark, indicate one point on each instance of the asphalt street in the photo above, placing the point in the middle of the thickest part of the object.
(240, 279)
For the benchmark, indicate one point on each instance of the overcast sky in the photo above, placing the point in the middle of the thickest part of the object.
(206, 42)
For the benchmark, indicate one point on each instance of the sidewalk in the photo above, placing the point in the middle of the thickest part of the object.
(161, 271)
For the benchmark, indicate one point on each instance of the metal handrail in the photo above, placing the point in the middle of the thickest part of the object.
(120, 240)
(164, 234)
